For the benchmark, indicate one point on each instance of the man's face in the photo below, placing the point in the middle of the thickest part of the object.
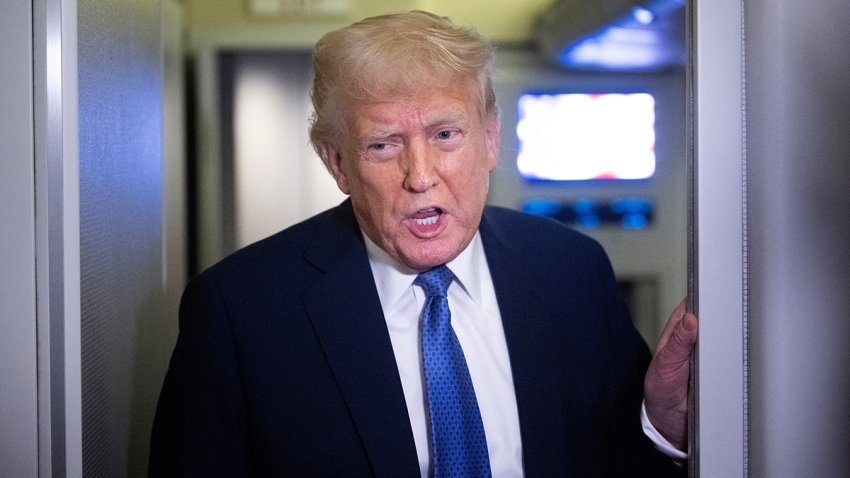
(417, 169)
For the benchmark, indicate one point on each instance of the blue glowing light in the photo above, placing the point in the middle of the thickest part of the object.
(642, 15)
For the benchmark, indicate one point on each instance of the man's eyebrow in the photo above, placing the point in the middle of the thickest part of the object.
(376, 135)
(447, 120)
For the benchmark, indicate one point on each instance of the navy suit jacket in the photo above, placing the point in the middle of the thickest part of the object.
(284, 366)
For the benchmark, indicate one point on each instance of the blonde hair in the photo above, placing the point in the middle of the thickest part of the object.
(390, 56)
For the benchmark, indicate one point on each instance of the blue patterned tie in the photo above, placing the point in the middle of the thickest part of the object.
(458, 444)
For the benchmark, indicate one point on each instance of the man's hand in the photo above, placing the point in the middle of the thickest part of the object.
(666, 383)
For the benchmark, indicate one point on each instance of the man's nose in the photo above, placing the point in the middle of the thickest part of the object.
(421, 163)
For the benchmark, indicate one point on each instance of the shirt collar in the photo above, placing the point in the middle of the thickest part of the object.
(393, 279)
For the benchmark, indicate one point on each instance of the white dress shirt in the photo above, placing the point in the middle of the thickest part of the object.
(477, 323)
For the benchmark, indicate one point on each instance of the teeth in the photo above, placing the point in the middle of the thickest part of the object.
(427, 221)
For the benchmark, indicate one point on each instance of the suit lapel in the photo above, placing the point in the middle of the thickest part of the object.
(346, 313)
(532, 351)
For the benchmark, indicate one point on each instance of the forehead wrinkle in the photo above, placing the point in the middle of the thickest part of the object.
(369, 131)
(401, 116)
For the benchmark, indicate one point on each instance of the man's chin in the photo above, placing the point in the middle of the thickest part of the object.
(423, 257)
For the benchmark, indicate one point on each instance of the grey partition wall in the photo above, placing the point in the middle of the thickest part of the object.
(771, 106)
(18, 393)
(718, 242)
(798, 150)
(39, 266)
(85, 269)
(126, 331)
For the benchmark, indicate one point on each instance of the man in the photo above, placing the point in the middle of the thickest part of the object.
(310, 353)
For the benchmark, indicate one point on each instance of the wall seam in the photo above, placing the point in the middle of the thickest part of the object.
(745, 244)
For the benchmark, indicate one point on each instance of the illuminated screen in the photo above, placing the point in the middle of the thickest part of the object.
(578, 136)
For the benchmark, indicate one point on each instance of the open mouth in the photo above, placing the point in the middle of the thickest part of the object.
(426, 221)
(427, 217)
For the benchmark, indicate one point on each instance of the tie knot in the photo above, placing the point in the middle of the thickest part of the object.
(436, 281)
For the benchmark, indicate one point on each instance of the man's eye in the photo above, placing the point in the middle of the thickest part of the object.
(447, 134)
(381, 151)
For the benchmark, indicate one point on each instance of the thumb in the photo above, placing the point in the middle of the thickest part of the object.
(685, 335)
(676, 352)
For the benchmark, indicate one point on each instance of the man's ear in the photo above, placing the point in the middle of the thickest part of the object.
(333, 159)
(492, 130)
